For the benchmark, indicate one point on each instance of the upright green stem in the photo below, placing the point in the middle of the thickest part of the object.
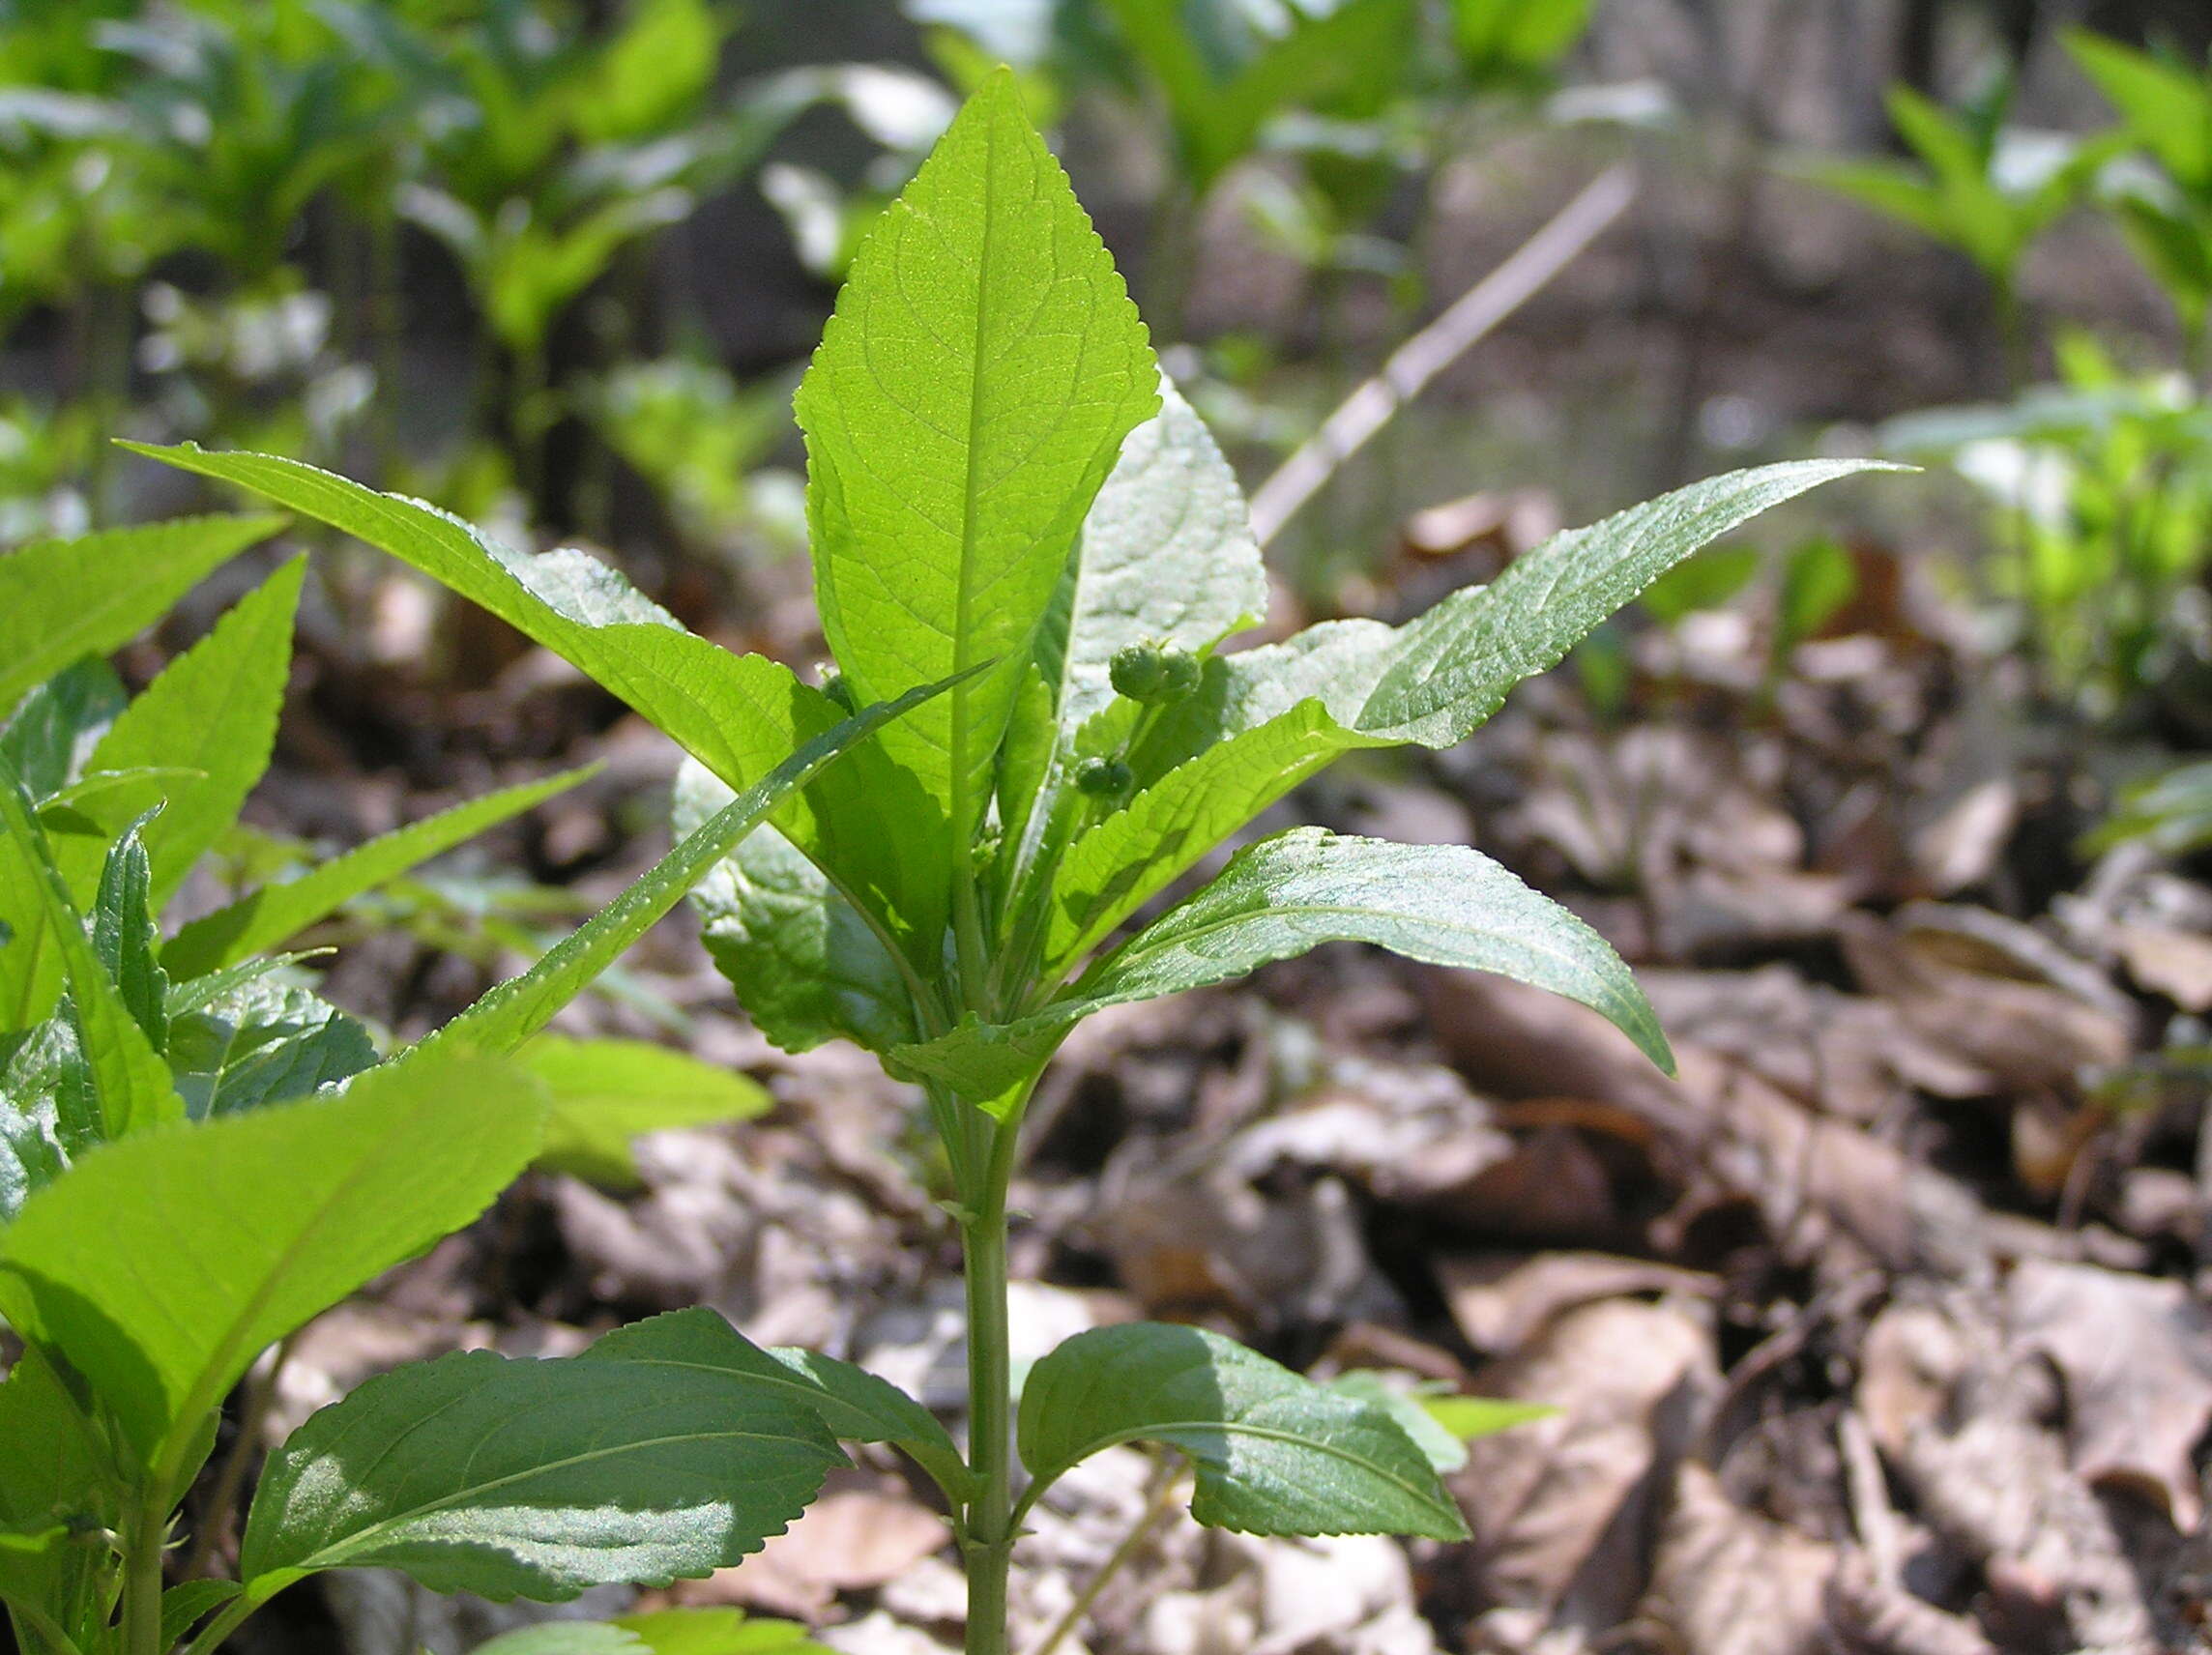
(142, 1574)
(990, 1526)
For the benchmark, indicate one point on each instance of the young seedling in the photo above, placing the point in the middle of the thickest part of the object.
(1006, 497)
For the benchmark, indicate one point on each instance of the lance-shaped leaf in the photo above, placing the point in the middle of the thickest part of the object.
(602, 1093)
(1111, 871)
(853, 1404)
(1437, 679)
(969, 397)
(123, 937)
(739, 716)
(264, 919)
(1273, 1452)
(126, 1086)
(213, 710)
(806, 965)
(160, 1266)
(536, 1478)
(1443, 904)
(519, 1007)
(63, 600)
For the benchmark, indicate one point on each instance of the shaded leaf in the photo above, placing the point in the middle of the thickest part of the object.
(262, 1042)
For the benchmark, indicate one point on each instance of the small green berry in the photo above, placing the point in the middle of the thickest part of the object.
(1148, 674)
(1102, 778)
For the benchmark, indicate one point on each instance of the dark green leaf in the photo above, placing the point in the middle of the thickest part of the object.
(853, 1404)
(805, 963)
(536, 1478)
(1274, 1453)
(262, 1042)
(55, 727)
(124, 937)
(1443, 904)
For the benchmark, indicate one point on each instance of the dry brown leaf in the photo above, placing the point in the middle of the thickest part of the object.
(1726, 1582)
(1562, 1508)
(2177, 964)
(851, 1539)
(1503, 1301)
(2136, 1355)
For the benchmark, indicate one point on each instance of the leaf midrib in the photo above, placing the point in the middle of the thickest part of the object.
(333, 1556)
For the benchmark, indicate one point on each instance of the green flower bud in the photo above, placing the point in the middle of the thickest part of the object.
(1102, 778)
(1148, 674)
(835, 686)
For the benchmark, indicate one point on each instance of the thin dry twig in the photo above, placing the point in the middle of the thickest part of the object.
(1435, 347)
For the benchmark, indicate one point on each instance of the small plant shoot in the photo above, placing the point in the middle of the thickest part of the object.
(1031, 563)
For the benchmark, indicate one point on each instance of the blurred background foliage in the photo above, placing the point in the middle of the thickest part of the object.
(553, 265)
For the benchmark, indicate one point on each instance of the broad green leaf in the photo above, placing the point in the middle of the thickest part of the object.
(966, 402)
(739, 716)
(536, 1478)
(602, 1093)
(264, 919)
(805, 962)
(261, 1042)
(64, 599)
(1443, 904)
(852, 1403)
(1111, 871)
(519, 1007)
(123, 937)
(55, 729)
(1273, 1452)
(1507, 40)
(1437, 679)
(1167, 557)
(162, 1265)
(1438, 1422)
(129, 1089)
(213, 708)
(185, 1605)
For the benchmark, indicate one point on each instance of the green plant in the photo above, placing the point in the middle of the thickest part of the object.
(1007, 499)
(2166, 114)
(2100, 489)
(198, 1154)
(1988, 190)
